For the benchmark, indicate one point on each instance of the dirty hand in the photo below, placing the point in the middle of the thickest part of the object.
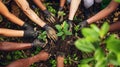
(70, 25)
(51, 33)
(30, 33)
(60, 14)
(83, 24)
(49, 16)
(39, 43)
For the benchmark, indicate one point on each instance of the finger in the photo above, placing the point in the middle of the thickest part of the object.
(48, 20)
(53, 19)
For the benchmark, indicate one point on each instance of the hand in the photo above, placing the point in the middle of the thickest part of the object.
(39, 43)
(31, 33)
(27, 27)
(51, 33)
(60, 14)
(83, 24)
(49, 16)
(70, 25)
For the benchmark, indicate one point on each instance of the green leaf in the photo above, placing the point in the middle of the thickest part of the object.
(101, 63)
(65, 26)
(83, 65)
(99, 54)
(113, 44)
(90, 34)
(94, 27)
(68, 33)
(87, 60)
(104, 29)
(60, 34)
(84, 45)
(118, 58)
(58, 27)
(63, 37)
(112, 58)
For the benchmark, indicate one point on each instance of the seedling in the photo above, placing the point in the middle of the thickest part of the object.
(42, 36)
(63, 30)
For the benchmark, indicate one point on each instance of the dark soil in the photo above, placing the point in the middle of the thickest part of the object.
(66, 46)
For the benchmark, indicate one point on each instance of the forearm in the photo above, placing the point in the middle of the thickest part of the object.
(62, 3)
(105, 12)
(115, 27)
(28, 61)
(10, 46)
(4, 11)
(73, 8)
(11, 33)
(23, 4)
(60, 61)
(39, 4)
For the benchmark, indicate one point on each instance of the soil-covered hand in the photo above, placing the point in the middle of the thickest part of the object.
(49, 16)
(83, 24)
(39, 43)
(70, 25)
(51, 33)
(30, 33)
(27, 27)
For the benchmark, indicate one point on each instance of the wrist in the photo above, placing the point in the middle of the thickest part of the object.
(60, 8)
(46, 11)
(45, 26)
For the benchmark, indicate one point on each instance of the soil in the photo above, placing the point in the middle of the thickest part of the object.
(66, 46)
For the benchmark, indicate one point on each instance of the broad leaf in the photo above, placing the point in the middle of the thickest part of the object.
(87, 60)
(113, 44)
(84, 45)
(58, 27)
(99, 54)
(83, 65)
(104, 29)
(94, 27)
(60, 34)
(101, 63)
(90, 34)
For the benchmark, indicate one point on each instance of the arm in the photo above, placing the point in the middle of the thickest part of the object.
(105, 12)
(11, 33)
(62, 3)
(10, 46)
(23, 4)
(115, 26)
(40, 5)
(42, 56)
(4, 11)
(18, 33)
(73, 8)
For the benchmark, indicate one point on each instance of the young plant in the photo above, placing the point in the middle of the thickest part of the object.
(42, 36)
(63, 30)
(91, 43)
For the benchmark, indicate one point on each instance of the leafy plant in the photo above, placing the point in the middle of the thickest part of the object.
(42, 36)
(91, 43)
(63, 30)
(53, 62)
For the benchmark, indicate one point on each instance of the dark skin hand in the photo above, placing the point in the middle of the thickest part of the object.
(49, 16)
(51, 33)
